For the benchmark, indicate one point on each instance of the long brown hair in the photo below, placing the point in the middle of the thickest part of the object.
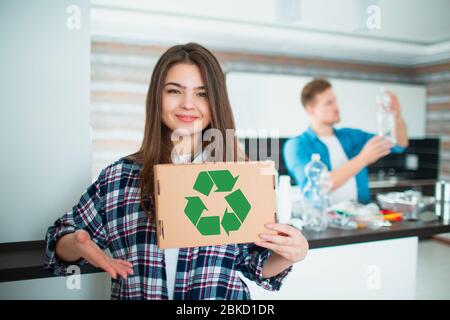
(156, 145)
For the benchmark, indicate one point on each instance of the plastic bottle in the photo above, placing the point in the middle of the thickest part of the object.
(385, 116)
(284, 200)
(316, 194)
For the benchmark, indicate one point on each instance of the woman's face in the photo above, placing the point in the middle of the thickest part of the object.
(185, 101)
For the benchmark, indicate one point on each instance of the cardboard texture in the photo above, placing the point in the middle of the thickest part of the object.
(213, 203)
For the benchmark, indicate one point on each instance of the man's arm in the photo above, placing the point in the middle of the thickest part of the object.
(401, 133)
(345, 172)
(296, 156)
(374, 149)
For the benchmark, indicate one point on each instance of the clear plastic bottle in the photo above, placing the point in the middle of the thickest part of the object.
(385, 116)
(316, 195)
(284, 200)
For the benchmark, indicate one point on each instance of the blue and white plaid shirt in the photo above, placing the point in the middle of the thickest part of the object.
(110, 211)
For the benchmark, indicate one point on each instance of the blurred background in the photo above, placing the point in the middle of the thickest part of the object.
(73, 86)
(268, 51)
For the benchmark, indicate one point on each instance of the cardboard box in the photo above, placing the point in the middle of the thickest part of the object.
(213, 203)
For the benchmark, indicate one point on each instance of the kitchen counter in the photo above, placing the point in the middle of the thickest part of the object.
(357, 264)
(23, 260)
(335, 237)
(426, 186)
(401, 183)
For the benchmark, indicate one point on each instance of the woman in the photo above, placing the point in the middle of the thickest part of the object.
(187, 95)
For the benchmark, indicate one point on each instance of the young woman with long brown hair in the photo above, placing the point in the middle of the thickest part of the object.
(187, 93)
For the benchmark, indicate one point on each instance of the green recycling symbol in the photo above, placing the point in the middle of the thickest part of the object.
(231, 219)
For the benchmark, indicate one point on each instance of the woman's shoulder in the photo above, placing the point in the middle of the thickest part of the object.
(123, 168)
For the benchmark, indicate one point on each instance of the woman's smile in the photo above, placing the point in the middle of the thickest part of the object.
(186, 118)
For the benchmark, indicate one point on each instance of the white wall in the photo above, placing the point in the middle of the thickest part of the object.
(45, 131)
(44, 115)
(272, 101)
(383, 269)
(409, 20)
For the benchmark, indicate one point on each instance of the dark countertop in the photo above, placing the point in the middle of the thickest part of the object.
(336, 237)
(23, 260)
(401, 183)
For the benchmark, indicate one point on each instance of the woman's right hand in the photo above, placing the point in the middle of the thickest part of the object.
(92, 253)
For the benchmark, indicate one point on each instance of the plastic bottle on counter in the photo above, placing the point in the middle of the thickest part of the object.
(316, 195)
(284, 199)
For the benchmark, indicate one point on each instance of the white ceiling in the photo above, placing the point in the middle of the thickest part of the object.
(411, 31)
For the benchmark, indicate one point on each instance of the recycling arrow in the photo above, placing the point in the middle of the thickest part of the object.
(230, 222)
(204, 183)
(223, 180)
(238, 203)
(194, 209)
(231, 219)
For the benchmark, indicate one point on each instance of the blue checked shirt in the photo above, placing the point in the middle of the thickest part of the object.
(110, 211)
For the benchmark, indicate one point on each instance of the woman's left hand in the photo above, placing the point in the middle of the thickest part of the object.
(288, 242)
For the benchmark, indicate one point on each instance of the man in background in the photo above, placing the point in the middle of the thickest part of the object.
(346, 151)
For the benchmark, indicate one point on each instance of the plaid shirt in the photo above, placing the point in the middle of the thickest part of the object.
(110, 211)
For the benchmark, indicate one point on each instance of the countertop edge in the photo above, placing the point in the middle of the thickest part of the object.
(31, 270)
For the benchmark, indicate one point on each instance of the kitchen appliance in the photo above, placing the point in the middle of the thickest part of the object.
(442, 204)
